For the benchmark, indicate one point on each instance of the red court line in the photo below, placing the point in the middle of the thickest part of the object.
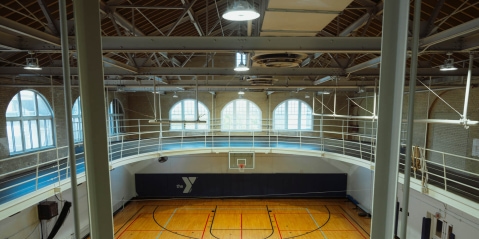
(353, 226)
(241, 226)
(128, 227)
(276, 221)
(204, 229)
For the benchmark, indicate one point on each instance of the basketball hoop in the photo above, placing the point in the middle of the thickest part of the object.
(241, 167)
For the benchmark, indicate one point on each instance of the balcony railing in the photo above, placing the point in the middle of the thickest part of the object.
(352, 138)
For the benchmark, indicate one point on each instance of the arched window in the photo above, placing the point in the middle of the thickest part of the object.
(116, 117)
(293, 115)
(29, 122)
(241, 115)
(77, 122)
(186, 110)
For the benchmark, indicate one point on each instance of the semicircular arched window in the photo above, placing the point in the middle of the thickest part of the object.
(29, 122)
(77, 121)
(293, 115)
(241, 115)
(185, 110)
(116, 116)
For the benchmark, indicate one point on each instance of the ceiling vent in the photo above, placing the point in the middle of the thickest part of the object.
(279, 59)
(261, 80)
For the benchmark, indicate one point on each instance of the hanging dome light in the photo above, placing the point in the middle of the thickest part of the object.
(241, 67)
(32, 63)
(448, 64)
(241, 11)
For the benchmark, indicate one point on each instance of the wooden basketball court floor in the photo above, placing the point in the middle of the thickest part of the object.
(241, 218)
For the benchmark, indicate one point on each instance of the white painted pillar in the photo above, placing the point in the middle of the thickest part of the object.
(90, 65)
(391, 88)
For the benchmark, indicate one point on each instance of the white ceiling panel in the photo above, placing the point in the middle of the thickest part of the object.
(326, 5)
(296, 21)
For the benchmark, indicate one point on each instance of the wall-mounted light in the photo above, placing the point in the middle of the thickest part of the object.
(241, 11)
(448, 64)
(240, 92)
(175, 95)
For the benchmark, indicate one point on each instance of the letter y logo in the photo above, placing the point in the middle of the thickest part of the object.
(189, 183)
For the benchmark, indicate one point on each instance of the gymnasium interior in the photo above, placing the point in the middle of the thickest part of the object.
(239, 119)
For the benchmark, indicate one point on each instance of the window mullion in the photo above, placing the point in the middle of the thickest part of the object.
(299, 115)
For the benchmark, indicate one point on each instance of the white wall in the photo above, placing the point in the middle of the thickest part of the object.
(218, 163)
(25, 222)
(465, 225)
(122, 182)
(360, 183)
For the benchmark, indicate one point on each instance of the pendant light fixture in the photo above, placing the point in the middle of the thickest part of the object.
(448, 63)
(241, 66)
(241, 11)
(32, 63)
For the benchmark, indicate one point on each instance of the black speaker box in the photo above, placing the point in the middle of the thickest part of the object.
(47, 210)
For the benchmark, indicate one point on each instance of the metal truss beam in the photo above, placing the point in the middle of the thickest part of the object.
(202, 71)
(24, 30)
(9, 42)
(457, 31)
(233, 44)
(186, 18)
(361, 21)
(364, 65)
(150, 44)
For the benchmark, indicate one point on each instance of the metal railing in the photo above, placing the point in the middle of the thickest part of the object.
(353, 138)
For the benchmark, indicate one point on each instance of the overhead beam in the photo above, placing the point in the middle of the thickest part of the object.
(9, 42)
(457, 31)
(48, 16)
(185, 11)
(186, 18)
(146, 7)
(364, 65)
(193, 19)
(432, 18)
(233, 44)
(202, 71)
(24, 30)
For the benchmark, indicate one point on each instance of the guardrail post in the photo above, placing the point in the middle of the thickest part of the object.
(360, 148)
(36, 177)
(58, 172)
(444, 169)
(300, 140)
(342, 135)
(121, 147)
(139, 137)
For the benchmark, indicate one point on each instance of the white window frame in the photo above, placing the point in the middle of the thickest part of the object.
(183, 117)
(32, 122)
(301, 114)
(116, 118)
(237, 115)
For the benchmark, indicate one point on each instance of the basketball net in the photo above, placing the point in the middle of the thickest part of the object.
(241, 167)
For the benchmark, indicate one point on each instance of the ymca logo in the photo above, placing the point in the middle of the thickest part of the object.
(189, 181)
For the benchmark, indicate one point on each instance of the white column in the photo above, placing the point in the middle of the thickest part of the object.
(410, 118)
(391, 87)
(88, 39)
